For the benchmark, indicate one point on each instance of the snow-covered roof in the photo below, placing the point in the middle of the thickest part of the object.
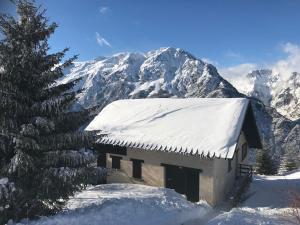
(208, 127)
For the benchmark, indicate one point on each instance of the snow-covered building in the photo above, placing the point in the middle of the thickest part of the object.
(192, 145)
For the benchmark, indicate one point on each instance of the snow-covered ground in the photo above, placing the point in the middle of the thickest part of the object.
(268, 202)
(128, 204)
(134, 204)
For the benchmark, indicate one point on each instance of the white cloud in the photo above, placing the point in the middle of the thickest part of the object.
(102, 41)
(236, 75)
(237, 71)
(103, 9)
(285, 67)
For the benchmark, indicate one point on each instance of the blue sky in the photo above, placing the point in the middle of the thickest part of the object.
(226, 32)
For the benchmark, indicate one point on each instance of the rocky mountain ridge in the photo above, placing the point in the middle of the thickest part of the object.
(276, 90)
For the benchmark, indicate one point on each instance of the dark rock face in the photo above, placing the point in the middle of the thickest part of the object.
(292, 143)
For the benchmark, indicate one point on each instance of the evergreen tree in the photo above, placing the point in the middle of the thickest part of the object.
(264, 164)
(43, 156)
(288, 163)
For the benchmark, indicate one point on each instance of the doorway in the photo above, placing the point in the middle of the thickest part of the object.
(183, 180)
(137, 168)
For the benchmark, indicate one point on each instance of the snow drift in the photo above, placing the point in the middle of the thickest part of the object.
(127, 204)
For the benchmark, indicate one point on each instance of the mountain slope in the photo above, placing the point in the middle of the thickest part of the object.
(168, 72)
(276, 90)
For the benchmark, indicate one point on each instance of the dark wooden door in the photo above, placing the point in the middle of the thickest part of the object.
(183, 180)
(192, 185)
(170, 176)
(175, 178)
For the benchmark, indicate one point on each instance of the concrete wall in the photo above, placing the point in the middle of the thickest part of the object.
(224, 180)
(156, 158)
(115, 176)
(153, 175)
(215, 180)
(126, 166)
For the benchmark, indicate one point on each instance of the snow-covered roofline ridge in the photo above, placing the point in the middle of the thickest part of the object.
(208, 127)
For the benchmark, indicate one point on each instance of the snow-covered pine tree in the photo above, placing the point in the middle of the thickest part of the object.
(288, 163)
(264, 164)
(42, 154)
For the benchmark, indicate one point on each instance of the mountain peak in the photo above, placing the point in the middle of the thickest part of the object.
(275, 90)
(260, 73)
(171, 52)
(165, 72)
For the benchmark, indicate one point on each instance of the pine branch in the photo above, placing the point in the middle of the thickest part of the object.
(71, 158)
(26, 144)
(21, 165)
(66, 141)
(58, 90)
(53, 106)
(54, 70)
(67, 178)
(11, 104)
(71, 121)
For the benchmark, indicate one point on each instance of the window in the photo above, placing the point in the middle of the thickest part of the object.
(137, 168)
(116, 162)
(244, 151)
(229, 165)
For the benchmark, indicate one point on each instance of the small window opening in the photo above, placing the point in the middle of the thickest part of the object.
(116, 162)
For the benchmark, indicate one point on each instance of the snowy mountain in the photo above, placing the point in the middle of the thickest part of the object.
(275, 90)
(172, 72)
(167, 72)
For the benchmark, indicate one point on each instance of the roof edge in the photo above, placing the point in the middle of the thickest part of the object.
(153, 147)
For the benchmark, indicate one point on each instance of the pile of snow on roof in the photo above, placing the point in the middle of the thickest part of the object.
(207, 127)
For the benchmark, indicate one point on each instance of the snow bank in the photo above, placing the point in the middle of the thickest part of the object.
(248, 216)
(127, 204)
(272, 191)
(267, 203)
(132, 204)
(202, 126)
